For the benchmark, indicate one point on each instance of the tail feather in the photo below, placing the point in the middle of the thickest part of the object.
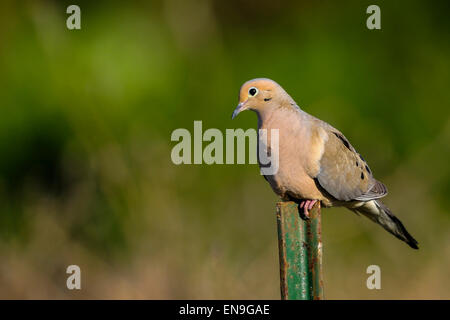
(376, 211)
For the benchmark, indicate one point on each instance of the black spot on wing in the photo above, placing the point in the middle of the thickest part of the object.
(267, 99)
(344, 141)
(367, 169)
(362, 175)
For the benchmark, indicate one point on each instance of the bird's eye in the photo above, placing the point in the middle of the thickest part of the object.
(252, 91)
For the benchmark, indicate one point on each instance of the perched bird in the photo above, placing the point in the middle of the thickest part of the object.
(316, 161)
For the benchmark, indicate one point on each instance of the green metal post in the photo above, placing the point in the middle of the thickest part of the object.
(300, 248)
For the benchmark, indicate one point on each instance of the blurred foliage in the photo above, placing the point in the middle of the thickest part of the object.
(86, 118)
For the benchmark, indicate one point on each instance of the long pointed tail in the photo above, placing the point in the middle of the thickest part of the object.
(376, 211)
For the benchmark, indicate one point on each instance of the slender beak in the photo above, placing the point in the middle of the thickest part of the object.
(240, 107)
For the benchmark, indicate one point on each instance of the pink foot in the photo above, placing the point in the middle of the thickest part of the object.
(307, 205)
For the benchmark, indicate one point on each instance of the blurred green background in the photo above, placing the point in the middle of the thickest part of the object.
(86, 176)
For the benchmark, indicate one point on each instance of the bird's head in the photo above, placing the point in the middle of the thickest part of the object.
(255, 95)
(259, 95)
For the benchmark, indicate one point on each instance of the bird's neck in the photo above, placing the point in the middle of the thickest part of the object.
(267, 116)
(264, 117)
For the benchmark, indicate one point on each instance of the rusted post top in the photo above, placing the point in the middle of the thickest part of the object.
(300, 251)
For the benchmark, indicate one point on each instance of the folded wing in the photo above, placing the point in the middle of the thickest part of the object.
(344, 174)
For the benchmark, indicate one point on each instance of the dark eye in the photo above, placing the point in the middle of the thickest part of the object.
(252, 91)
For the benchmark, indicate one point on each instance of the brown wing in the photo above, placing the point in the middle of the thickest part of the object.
(344, 173)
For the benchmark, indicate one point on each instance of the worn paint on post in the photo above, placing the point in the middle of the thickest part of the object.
(300, 250)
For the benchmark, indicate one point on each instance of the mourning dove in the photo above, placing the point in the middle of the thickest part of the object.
(316, 161)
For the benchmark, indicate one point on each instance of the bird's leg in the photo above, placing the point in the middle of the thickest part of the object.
(306, 205)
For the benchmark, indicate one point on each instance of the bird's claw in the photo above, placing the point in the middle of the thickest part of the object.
(306, 205)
